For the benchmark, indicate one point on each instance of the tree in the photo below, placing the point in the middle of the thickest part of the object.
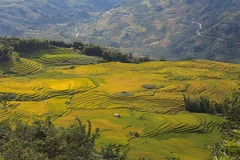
(42, 140)
(199, 105)
(229, 146)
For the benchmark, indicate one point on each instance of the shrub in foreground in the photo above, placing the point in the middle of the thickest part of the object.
(42, 140)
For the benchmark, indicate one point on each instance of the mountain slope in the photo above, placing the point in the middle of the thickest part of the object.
(175, 29)
(25, 18)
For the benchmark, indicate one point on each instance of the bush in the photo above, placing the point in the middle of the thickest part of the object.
(199, 105)
(124, 94)
(152, 86)
(228, 147)
(42, 140)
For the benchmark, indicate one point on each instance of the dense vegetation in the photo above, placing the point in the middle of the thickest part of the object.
(42, 140)
(229, 147)
(14, 44)
(27, 46)
(229, 109)
(109, 54)
(199, 105)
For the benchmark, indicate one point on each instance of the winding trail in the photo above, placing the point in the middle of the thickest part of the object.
(200, 34)
(200, 27)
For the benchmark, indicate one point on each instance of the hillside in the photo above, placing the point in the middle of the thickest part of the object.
(174, 29)
(48, 18)
(63, 84)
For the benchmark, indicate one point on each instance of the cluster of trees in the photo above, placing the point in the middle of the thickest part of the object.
(29, 45)
(6, 49)
(112, 55)
(5, 53)
(199, 105)
(11, 45)
(42, 140)
(229, 146)
(14, 44)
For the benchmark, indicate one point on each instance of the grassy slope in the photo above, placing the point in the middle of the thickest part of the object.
(97, 91)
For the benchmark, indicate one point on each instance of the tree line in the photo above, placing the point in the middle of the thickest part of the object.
(9, 45)
(108, 54)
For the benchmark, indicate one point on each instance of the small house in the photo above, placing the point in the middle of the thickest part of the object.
(117, 115)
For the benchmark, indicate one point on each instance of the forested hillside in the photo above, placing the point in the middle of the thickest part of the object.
(48, 18)
(175, 29)
(12, 48)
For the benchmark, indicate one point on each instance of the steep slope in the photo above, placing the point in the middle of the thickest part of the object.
(175, 29)
(24, 17)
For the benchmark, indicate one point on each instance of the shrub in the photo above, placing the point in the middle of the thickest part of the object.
(228, 147)
(199, 105)
(152, 86)
(42, 140)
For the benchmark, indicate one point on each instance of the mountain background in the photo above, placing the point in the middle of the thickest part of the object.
(48, 18)
(171, 29)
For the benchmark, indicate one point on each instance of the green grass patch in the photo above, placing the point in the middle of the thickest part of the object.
(152, 86)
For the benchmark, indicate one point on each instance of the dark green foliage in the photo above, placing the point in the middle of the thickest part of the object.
(6, 49)
(124, 94)
(8, 46)
(5, 53)
(9, 72)
(60, 44)
(152, 86)
(228, 147)
(230, 109)
(108, 54)
(112, 152)
(15, 44)
(29, 45)
(112, 55)
(42, 140)
(199, 105)
(7, 97)
(171, 158)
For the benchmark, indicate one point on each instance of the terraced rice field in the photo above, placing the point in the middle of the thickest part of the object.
(66, 59)
(153, 121)
(22, 67)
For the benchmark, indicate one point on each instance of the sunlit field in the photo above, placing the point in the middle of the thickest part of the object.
(148, 97)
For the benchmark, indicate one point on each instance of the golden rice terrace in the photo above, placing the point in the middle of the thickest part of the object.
(147, 99)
